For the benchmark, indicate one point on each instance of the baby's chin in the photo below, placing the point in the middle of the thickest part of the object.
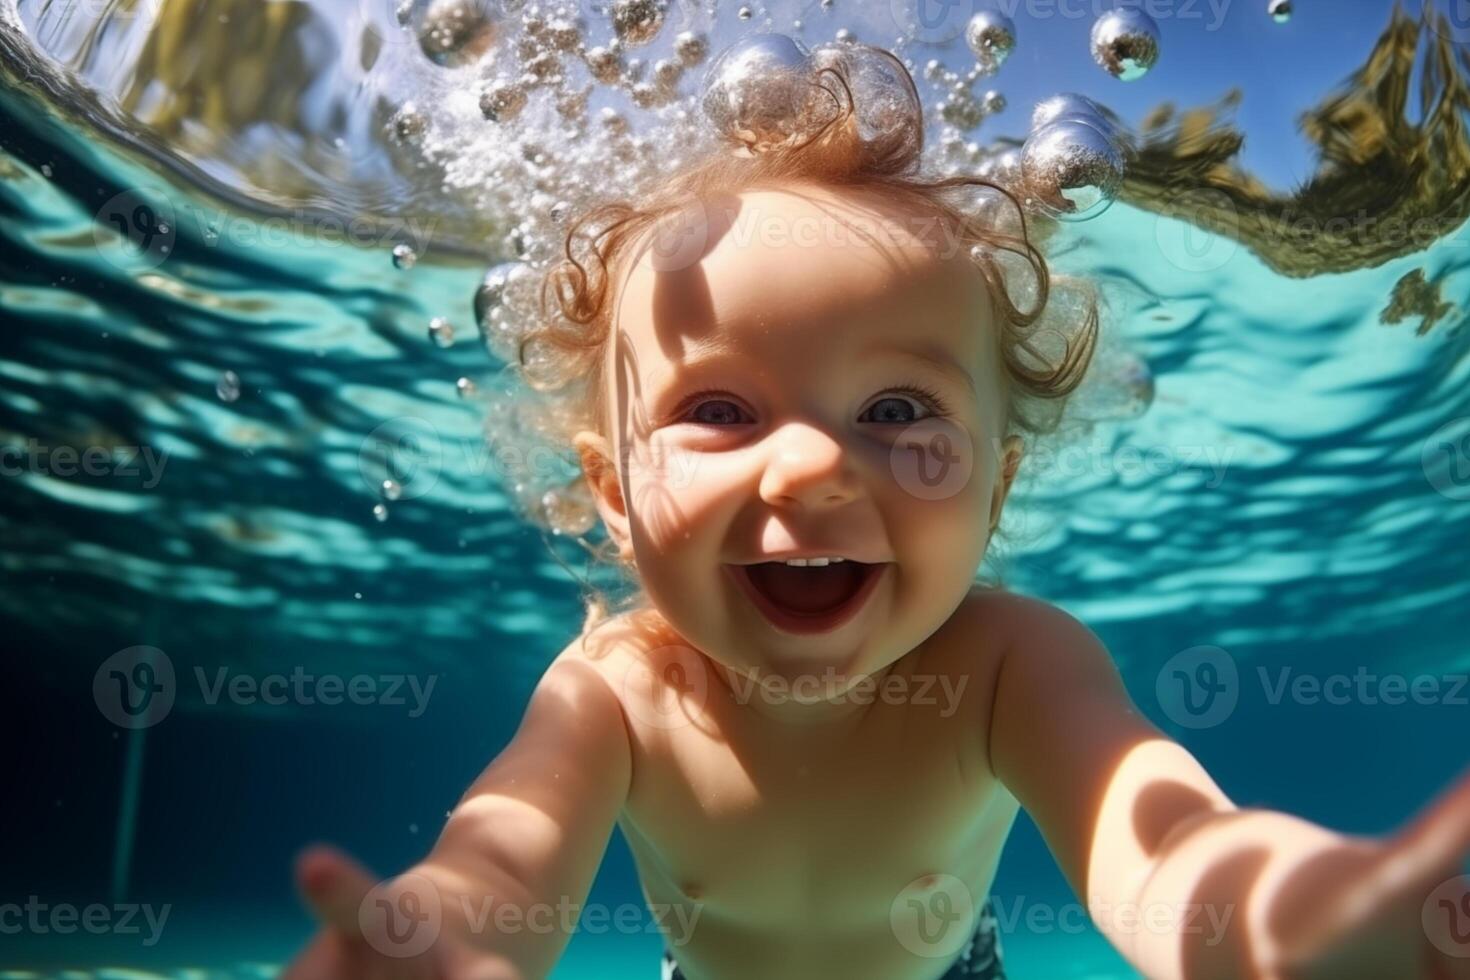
(805, 678)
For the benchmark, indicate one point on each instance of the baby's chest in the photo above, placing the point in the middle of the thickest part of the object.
(771, 830)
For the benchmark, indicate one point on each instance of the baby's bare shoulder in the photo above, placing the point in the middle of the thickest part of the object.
(988, 623)
(635, 641)
(985, 616)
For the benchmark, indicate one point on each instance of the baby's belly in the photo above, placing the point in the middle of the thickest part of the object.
(803, 888)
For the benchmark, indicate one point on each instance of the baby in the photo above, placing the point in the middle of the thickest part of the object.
(809, 391)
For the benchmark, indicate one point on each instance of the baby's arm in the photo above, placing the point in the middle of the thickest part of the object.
(1181, 881)
(520, 849)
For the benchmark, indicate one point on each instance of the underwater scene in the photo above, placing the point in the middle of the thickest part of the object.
(283, 552)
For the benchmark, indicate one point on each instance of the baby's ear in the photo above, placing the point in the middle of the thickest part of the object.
(1011, 450)
(602, 477)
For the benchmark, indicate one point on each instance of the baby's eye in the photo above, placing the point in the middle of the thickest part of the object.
(714, 411)
(894, 410)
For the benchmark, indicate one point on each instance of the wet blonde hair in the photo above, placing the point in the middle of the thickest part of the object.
(1042, 362)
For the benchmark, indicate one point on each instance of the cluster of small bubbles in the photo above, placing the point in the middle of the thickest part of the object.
(404, 257)
(466, 388)
(1280, 11)
(613, 121)
(604, 64)
(962, 110)
(557, 148)
(502, 100)
(390, 489)
(569, 509)
(572, 106)
(637, 21)
(1119, 386)
(539, 366)
(562, 34)
(441, 332)
(227, 388)
(408, 124)
(380, 512)
(991, 36)
(691, 48)
(451, 33)
(506, 305)
(667, 72)
(1125, 42)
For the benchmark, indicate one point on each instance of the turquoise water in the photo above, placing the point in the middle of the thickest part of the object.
(1295, 496)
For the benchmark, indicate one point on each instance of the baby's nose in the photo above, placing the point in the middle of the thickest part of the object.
(807, 466)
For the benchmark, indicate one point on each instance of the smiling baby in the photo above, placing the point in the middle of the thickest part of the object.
(809, 386)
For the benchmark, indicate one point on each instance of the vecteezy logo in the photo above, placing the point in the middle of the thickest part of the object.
(1188, 242)
(1446, 459)
(145, 225)
(406, 450)
(401, 917)
(134, 688)
(1199, 687)
(932, 459)
(666, 688)
(680, 237)
(1446, 917)
(931, 21)
(933, 916)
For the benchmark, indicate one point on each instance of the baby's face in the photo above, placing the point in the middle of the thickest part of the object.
(768, 379)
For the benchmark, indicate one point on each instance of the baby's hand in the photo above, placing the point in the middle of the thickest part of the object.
(372, 931)
(1382, 908)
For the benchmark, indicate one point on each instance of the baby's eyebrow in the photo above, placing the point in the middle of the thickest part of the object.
(933, 356)
(718, 350)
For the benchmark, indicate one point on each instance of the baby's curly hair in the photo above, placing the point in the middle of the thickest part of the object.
(564, 355)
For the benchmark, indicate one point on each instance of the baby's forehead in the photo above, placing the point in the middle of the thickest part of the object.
(800, 254)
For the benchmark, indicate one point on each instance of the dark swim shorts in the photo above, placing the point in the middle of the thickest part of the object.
(979, 960)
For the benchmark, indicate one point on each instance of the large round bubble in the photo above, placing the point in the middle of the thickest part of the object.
(451, 33)
(883, 94)
(1070, 105)
(991, 36)
(1071, 170)
(759, 92)
(1126, 43)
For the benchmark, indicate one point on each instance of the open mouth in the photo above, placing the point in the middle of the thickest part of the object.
(808, 599)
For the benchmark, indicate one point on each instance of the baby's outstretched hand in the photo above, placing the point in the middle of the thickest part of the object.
(371, 930)
(1397, 907)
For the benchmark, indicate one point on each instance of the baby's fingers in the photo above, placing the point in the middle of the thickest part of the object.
(1435, 844)
(335, 886)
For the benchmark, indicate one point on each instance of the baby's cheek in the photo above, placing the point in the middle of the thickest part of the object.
(936, 462)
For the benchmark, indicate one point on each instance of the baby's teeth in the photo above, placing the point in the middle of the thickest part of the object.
(818, 562)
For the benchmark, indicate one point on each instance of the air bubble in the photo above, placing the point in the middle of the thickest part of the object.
(228, 387)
